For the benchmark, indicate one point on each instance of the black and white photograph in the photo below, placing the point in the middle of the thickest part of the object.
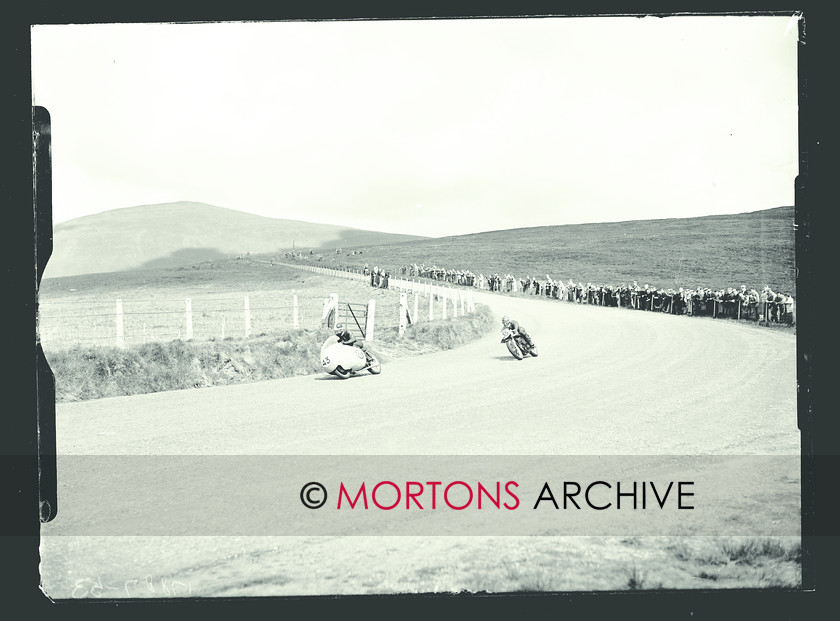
(479, 306)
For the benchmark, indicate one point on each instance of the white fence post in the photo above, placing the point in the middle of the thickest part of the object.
(189, 319)
(416, 306)
(295, 319)
(334, 303)
(461, 297)
(120, 330)
(247, 317)
(454, 302)
(431, 308)
(369, 323)
(443, 304)
(403, 311)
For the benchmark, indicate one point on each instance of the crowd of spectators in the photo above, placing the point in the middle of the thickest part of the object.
(378, 278)
(736, 303)
(455, 277)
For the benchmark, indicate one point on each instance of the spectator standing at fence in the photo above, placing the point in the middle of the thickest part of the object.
(779, 306)
(767, 300)
(753, 299)
(789, 310)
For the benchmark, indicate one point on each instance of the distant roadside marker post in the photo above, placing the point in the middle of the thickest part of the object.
(120, 329)
(247, 317)
(295, 321)
(369, 322)
(403, 311)
(189, 319)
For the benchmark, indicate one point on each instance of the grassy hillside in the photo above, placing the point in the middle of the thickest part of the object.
(754, 249)
(173, 234)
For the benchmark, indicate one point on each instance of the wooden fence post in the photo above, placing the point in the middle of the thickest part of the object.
(120, 329)
(431, 308)
(403, 311)
(189, 319)
(454, 299)
(443, 303)
(247, 317)
(461, 297)
(416, 306)
(371, 308)
(295, 318)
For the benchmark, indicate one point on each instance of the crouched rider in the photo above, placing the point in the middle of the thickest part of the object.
(512, 324)
(345, 338)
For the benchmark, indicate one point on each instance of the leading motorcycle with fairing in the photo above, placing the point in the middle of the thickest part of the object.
(517, 345)
(346, 360)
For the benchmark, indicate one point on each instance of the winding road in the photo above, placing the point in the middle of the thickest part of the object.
(608, 382)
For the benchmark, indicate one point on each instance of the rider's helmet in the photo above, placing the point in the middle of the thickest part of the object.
(339, 328)
(505, 320)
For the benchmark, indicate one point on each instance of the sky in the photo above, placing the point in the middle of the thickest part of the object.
(425, 127)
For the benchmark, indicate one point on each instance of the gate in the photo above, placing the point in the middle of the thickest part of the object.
(353, 316)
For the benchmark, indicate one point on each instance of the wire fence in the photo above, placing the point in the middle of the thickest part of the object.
(124, 322)
(127, 322)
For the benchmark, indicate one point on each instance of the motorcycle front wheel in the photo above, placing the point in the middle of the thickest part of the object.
(375, 366)
(513, 349)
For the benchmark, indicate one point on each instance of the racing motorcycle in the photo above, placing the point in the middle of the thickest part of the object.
(346, 360)
(517, 345)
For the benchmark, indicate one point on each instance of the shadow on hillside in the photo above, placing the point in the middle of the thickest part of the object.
(352, 239)
(184, 257)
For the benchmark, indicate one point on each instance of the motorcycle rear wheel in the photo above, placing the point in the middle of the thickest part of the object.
(339, 372)
(534, 351)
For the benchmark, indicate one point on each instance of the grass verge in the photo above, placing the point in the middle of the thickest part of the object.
(90, 372)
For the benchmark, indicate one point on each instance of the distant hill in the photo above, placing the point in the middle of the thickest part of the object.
(175, 234)
(754, 249)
